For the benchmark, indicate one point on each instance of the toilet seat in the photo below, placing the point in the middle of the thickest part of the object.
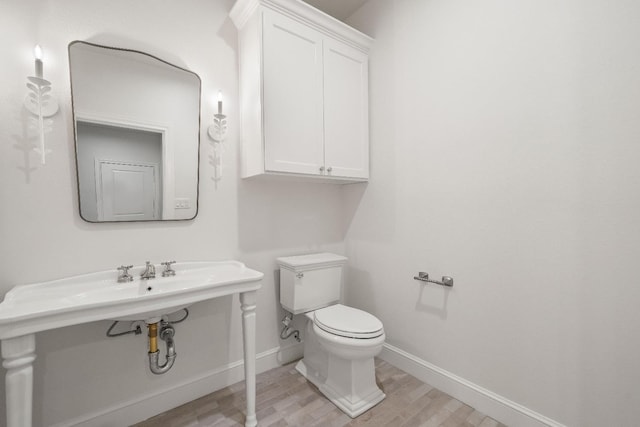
(348, 322)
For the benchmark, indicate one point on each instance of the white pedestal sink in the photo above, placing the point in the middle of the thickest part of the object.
(28, 309)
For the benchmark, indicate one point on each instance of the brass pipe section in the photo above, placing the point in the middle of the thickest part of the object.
(166, 334)
(153, 337)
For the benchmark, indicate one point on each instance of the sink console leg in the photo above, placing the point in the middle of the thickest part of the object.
(248, 305)
(18, 355)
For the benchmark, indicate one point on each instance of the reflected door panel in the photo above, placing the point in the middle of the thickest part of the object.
(127, 192)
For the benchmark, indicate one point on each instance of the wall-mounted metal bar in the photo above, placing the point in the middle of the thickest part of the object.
(424, 277)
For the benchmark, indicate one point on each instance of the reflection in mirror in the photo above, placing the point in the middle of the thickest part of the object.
(137, 127)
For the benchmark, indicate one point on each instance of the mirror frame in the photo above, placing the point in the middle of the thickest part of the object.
(75, 132)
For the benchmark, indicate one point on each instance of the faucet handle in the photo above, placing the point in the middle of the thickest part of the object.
(124, 275)
(168, 271)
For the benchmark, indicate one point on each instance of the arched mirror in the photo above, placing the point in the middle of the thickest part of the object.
(137, 130)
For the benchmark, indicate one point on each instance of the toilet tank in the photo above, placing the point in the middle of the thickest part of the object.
(309, 282)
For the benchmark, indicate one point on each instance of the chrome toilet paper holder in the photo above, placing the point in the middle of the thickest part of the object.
(424, 277)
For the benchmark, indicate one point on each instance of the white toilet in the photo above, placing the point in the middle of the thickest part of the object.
(340, 342)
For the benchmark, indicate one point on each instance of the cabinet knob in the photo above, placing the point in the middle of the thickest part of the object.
(329, 169)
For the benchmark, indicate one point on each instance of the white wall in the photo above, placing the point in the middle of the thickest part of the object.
(505, 154)
(78, 370)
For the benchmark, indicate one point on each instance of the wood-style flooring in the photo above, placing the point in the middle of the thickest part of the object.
(285, 398)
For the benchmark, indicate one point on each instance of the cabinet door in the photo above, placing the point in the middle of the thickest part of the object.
(292, 96)
(346, 110)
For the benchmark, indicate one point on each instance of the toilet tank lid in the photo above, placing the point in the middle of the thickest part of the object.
(323, 259)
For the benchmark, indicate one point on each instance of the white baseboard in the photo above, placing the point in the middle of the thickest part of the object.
(488, 402)
(151, 404)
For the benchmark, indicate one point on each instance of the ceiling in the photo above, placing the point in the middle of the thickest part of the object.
(339, 9)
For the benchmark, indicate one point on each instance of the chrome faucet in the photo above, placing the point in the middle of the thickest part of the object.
(149, 272)
(168, 271)
(124, 276)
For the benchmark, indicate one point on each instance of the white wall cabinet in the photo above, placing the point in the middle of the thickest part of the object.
(303, 92)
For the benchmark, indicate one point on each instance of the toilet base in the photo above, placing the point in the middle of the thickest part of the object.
(348, 384)
(350, 406)
(351, 385)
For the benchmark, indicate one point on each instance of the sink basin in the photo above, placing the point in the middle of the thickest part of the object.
(98, 296)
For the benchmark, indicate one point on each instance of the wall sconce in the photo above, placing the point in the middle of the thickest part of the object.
(40, 103)
(218, 133)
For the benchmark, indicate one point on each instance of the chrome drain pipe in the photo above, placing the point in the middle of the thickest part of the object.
(166, 334)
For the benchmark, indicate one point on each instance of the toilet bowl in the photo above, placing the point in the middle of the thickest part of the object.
(340, 342)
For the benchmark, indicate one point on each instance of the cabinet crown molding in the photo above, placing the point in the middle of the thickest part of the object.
(306, 14)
